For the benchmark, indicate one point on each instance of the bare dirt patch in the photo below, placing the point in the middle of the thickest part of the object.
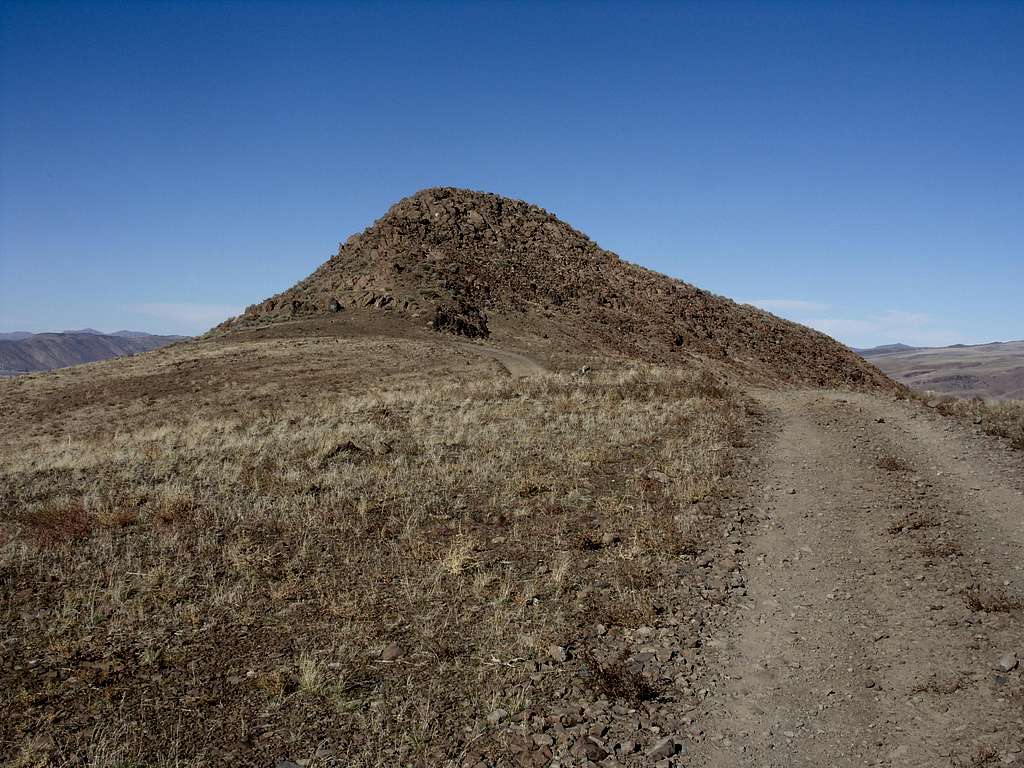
(867, 641)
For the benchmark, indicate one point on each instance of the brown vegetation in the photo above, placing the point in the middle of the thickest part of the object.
(252, 568)
(914, 520)
(343, 524)
(942, 686)
(999, 418)
(893, 464)
(991, 600)
(940, 548)
(615, 681)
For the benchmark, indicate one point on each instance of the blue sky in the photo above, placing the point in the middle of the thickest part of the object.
(855, 166)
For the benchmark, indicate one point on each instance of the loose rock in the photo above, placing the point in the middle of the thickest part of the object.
(497, 716)
(558, 653)
(664, 748)
(1007, 662)
(589, 749)
(392, 652)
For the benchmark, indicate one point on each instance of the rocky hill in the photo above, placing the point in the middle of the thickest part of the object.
(471, 263)
(25, 352)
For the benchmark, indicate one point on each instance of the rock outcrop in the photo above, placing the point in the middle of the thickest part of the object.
(462, 260)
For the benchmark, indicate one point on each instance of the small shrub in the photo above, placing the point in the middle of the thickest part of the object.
(690, 543)
(119, 517)
(913, 521)
(941, 549)
(992, 600)
(1016, 695)
(277, 682)
(387, 418)
(941, 686)
(706, 385)
(620, 612)
(311, 673)
(614, 680)
(983, 754)
(893, 464)
(459, 556)
(58, 521)
(1001, 419)
(173, 504)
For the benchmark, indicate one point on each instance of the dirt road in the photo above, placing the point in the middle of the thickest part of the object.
(878, 626)
(517, 364)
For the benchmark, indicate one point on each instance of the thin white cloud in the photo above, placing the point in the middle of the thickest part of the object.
(789, 305)
(197, 316)
(890, 327)
(864, 329)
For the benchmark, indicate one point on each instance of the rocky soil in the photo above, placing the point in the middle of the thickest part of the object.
(850, 594)
(431, 506)
(865, 607)
(883, 623)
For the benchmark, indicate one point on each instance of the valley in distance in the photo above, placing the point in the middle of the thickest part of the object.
(23, 352)
(993, 370)
(480, 493)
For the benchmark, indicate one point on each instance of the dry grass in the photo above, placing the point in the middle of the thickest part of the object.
(991, 600)
(614, 680)
(893, 464)
(1016, 695)
(914, 520)
(942, 686)
(56, 521)
(1000, 418)
(983, 754)
(940, 548)
(218, 590)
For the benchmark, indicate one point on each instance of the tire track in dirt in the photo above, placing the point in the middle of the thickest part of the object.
(856, 645)
(517, 364)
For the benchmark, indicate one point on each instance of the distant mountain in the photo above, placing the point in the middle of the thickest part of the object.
(22, 352)
(885, 349)
(994, 370)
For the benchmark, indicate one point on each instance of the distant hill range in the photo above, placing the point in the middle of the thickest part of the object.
(993, 370)
(24, 352)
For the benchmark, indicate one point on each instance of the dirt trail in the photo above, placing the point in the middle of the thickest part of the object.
(856, 643)
(516, 363)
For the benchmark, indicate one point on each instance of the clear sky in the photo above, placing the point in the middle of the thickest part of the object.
(855, 166)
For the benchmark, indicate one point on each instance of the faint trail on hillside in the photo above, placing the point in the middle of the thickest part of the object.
(856, 645)
(517, 364)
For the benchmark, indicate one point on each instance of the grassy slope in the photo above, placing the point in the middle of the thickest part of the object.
(1003, 418)
(213, 578)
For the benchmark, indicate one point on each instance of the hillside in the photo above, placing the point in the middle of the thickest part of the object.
(980, 370)
(500, 516)
(24, 352)
(484, 266)
(884, 349)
